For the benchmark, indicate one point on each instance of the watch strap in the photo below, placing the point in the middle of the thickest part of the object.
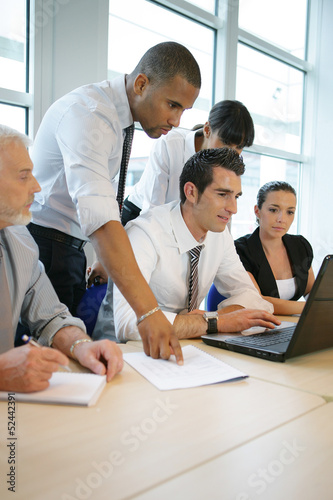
(212, 325)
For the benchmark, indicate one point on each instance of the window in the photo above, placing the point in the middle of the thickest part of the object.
(270, 80)
(281, 23)
(13, 45)
(14, 80)
(14, 116)
(273, 92)
(209, 5)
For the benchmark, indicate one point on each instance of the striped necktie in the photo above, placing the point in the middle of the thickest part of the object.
(127, 145)
(193, 281)
(6, 321)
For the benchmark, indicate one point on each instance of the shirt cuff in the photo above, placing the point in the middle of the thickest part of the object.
(248, 301)
(94, 212)
(57, 323)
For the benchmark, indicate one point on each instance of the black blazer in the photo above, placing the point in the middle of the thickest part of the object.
(254, 260)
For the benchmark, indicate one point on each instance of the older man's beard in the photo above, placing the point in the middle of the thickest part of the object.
(14, 217)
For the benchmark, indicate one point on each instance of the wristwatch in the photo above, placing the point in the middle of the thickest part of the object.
(211, 318)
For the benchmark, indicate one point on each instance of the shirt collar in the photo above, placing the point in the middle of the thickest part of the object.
(120, 100)
(184, 238)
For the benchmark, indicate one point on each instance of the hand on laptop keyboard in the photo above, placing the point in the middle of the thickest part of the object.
(243, 319)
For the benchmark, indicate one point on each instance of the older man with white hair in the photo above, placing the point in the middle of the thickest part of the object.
(26, 292)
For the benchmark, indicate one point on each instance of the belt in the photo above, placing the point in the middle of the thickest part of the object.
(54, 234)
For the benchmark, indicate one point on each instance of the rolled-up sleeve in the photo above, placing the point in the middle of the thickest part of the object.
(91, 147)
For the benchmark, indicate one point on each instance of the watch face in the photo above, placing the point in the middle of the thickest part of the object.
(210, 314)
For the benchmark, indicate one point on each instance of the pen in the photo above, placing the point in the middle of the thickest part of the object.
(31, 341)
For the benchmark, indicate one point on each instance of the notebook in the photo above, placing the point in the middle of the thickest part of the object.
(313, 332)
(79, 389)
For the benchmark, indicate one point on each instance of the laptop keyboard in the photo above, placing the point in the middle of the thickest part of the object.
(264, 339)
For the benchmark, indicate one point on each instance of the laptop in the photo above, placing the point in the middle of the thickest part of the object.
(313, 332)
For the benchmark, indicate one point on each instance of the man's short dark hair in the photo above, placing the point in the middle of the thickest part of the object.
(166, 60)
(199, 168)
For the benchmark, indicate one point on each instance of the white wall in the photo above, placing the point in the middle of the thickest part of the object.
(71, 48)
(80, 24)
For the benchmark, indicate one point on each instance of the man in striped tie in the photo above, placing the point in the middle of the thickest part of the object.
(183, 247)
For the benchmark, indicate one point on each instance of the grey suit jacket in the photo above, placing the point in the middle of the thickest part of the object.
(34, 301)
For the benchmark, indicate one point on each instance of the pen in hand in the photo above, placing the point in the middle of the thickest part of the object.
(31, 341)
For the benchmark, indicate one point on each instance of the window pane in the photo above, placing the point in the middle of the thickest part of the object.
(13, 45)
(149, 24)
(208, 5)
(13, 116)
(282, 23)
(259, 170)
(273, 93)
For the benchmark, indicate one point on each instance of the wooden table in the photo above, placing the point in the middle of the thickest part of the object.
(137, 438)
(291, 462)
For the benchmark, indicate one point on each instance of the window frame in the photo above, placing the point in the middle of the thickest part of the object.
(19, 98)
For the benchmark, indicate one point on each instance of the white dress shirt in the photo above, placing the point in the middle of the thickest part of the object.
(33, 298)
(160, 240)
(159, 182)
(77, 154)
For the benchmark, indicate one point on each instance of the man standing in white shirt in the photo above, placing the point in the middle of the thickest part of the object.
(26, 292)
(77, 156)
(210, 185)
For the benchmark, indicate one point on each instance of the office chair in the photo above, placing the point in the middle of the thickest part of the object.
(89, 305)
(213, 298)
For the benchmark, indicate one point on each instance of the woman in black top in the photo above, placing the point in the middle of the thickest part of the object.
(278, 263)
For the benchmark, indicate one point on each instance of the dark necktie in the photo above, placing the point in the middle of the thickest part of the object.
(6, 321)
(127, 145)
(193, 281)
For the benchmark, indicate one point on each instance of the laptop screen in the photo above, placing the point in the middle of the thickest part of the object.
(315, 329)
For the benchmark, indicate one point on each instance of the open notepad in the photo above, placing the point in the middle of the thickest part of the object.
(82, 389)
(200, 368)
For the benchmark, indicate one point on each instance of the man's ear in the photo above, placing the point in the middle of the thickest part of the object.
(191, 192)
(140, 83)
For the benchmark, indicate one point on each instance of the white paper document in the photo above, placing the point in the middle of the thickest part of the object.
(200, 368)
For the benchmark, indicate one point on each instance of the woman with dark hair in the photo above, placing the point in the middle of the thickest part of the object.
(229, 124)
(278, 263)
